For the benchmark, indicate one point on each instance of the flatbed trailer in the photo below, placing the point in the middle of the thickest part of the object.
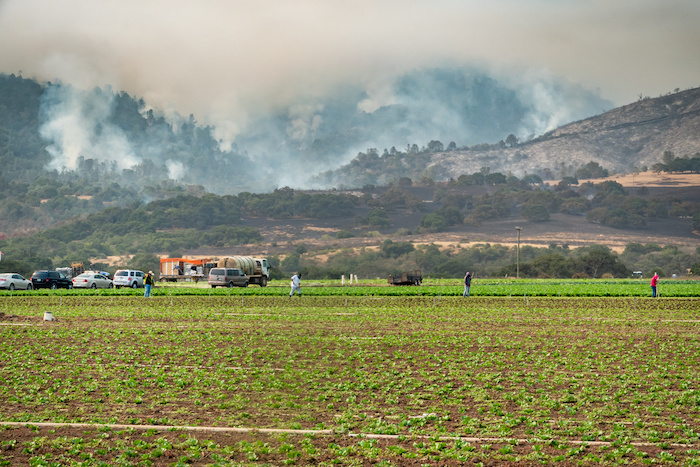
(406, 278)
(184, 269)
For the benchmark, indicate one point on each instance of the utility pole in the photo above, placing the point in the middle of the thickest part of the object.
(517, 258)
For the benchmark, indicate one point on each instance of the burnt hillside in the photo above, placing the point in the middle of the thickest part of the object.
(635, 135)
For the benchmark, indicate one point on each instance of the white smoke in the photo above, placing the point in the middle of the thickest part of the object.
(304, 120)
(552, 101)
(176, 169)
(76, 125)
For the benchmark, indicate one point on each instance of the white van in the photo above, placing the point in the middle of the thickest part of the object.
(128, 278)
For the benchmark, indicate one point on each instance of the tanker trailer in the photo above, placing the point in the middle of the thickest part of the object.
(257, 269)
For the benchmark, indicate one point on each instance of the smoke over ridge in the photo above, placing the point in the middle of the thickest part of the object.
(285, 89)
(288, 147)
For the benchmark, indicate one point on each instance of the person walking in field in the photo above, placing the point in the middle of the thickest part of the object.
(296, 285)
(654, 283)
(467, 283)
(147, 284)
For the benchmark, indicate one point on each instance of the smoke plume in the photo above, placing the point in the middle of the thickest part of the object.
(287, 88)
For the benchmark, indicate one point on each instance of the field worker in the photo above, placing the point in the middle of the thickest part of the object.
(147, 284)
(467, 283)
(296, 284)
(654, 283)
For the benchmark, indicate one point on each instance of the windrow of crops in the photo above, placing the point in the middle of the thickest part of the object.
(385, 380)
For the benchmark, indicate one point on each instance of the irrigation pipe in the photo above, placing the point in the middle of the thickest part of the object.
(168, 427)
(321, 432)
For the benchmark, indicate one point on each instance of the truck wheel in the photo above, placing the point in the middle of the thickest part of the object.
(12, 286)
(263, 282)
(230, 285)
(245, 284)
(135, 285)
(213, 286)
(29, 287)
(54, 286)
(93, 286)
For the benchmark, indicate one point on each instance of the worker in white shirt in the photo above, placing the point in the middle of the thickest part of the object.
(296, 284)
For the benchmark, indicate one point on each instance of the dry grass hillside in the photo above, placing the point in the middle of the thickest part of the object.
(621, 139)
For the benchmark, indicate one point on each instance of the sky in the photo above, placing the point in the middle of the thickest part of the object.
(222, 59)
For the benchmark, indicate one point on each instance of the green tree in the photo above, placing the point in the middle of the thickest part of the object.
(144, 262)
(391, 249)
(552, 265)
(598, 260)
(536, 212)
(695, 269)
(668, 157)
(511, 141)
(378, 218)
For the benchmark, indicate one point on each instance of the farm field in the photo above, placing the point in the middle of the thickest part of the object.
(196, 376)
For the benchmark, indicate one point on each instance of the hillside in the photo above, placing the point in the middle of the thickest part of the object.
(619, 140)
(635, 135)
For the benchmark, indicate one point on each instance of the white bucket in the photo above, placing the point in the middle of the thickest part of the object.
(48, 316)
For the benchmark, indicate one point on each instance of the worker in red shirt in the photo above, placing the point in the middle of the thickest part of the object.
(654, 282)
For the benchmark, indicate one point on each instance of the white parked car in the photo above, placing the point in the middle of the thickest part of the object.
(14, 281)
(128, 278)
(92, 280)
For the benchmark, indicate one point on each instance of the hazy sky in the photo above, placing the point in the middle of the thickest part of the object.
(224, 59)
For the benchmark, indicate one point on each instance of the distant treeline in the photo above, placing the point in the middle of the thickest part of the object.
(607, 203)
(672, 164)
(493, 260)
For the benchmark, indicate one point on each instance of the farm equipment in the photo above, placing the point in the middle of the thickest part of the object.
(75, 269)
(257, 269)
(406, 278)
(183, 269)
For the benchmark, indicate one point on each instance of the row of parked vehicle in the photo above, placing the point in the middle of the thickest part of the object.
(47, 279)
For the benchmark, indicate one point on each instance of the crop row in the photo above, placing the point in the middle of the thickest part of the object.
(108, 446)
(614, 370)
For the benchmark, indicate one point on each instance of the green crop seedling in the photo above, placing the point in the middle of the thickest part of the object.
(492, 379)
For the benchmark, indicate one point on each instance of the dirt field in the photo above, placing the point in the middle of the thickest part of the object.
(651, 179)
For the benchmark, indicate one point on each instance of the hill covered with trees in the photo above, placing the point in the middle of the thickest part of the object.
(633, 137)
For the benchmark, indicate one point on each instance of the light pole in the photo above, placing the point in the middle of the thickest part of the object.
(517, 257)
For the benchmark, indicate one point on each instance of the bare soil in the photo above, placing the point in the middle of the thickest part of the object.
(651, 180)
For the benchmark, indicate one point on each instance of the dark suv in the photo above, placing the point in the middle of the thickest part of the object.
(51, 280)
